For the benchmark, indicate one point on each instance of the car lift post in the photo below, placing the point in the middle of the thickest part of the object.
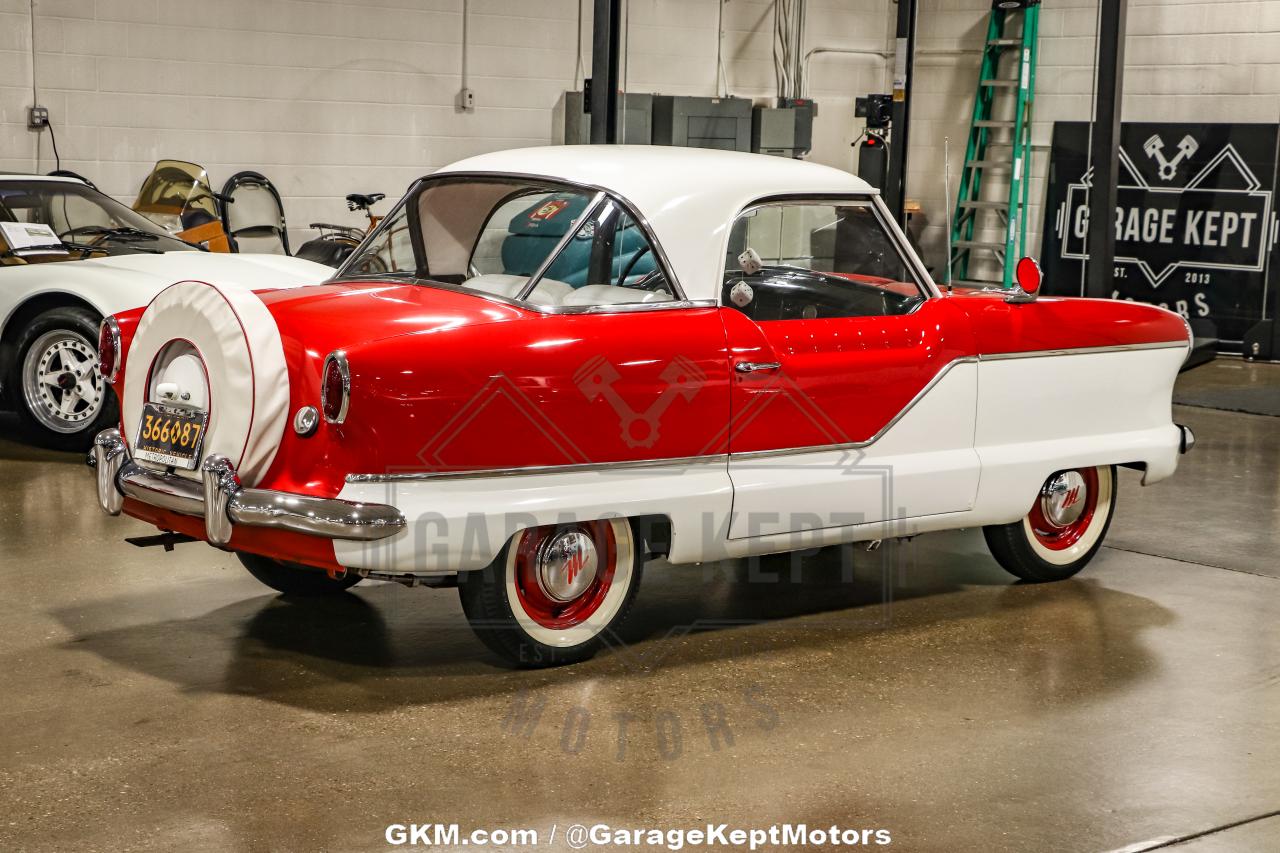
(904, 56)
(606, 29)
(1105, 145)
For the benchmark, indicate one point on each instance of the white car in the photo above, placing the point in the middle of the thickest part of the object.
(100, 258)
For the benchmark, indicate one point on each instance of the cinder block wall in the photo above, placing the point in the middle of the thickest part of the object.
(332, 96)
(328, 97)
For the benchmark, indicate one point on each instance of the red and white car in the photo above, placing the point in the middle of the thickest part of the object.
(547, 366)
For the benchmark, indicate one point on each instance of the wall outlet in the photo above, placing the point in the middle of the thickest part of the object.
(466, 100)
(38, 117)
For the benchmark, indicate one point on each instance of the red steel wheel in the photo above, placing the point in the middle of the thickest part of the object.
(1065, 508)
(555, 592)
(1064, 529)
(563, 572)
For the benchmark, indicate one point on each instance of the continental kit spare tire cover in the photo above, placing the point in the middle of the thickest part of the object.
(238, 341)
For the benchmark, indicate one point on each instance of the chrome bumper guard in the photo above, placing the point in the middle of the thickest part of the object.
(223, 503)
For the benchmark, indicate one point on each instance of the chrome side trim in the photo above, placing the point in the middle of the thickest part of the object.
(614, 308)
(1005, 356)
(628, 307)
(532, 470)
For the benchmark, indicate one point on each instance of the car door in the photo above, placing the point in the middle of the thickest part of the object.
(853, 394)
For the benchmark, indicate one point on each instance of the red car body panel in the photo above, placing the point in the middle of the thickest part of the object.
(443, 380)
(1057, 323)
(557, 389)
(842, 380)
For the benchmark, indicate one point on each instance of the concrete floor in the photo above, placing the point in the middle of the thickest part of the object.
(169, 702)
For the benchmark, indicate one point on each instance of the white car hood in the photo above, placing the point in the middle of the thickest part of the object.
(119, 283)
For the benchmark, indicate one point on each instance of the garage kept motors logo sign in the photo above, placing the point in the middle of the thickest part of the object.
(1195, 218)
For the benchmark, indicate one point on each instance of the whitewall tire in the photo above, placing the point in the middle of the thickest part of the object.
(555, 593)
(1064, 529)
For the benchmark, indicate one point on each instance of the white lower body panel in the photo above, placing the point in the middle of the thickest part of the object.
(954, 460)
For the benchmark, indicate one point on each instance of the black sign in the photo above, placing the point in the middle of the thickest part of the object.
(1195, 218)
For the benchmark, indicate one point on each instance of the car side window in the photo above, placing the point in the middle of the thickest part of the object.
(820, 260)
(609, 261)
(523, 230)
(390, 252)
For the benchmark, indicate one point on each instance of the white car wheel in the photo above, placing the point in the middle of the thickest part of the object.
(61, 400)
(60, 381)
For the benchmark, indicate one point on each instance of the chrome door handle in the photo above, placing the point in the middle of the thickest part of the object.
(756, 366)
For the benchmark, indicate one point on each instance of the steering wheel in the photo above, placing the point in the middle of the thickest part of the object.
(653, 282)
(626, 270)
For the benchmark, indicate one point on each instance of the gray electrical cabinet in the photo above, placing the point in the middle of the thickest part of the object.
(782, 131)
(723, 123)
(637, 119)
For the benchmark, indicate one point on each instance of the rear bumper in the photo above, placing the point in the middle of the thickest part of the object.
(223, 503)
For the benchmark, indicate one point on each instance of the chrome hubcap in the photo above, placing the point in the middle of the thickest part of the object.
(1064, 498)
(566, 565)
(60, 381)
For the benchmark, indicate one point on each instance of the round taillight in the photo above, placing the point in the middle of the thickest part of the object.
(109, 349)
(335, 388)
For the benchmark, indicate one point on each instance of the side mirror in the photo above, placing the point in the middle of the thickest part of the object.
(1029, 278)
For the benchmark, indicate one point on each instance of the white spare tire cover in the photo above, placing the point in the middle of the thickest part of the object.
(238, 340)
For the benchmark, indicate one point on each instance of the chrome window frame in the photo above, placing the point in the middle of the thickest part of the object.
(923, 281)
(681, 301)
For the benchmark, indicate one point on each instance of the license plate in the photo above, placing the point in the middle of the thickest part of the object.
(171, 435)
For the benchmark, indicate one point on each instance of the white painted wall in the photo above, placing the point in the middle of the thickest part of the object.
(328, 97)
(332, 96)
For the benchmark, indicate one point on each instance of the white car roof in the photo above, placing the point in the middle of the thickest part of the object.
(689, 196)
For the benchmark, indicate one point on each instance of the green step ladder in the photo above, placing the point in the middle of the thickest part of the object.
(990, 228)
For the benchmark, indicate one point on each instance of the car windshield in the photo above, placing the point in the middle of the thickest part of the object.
(537, 242)
(83, 217)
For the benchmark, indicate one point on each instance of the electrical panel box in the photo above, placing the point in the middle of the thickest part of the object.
(636, 109)
(782, 131)
(723, 123)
